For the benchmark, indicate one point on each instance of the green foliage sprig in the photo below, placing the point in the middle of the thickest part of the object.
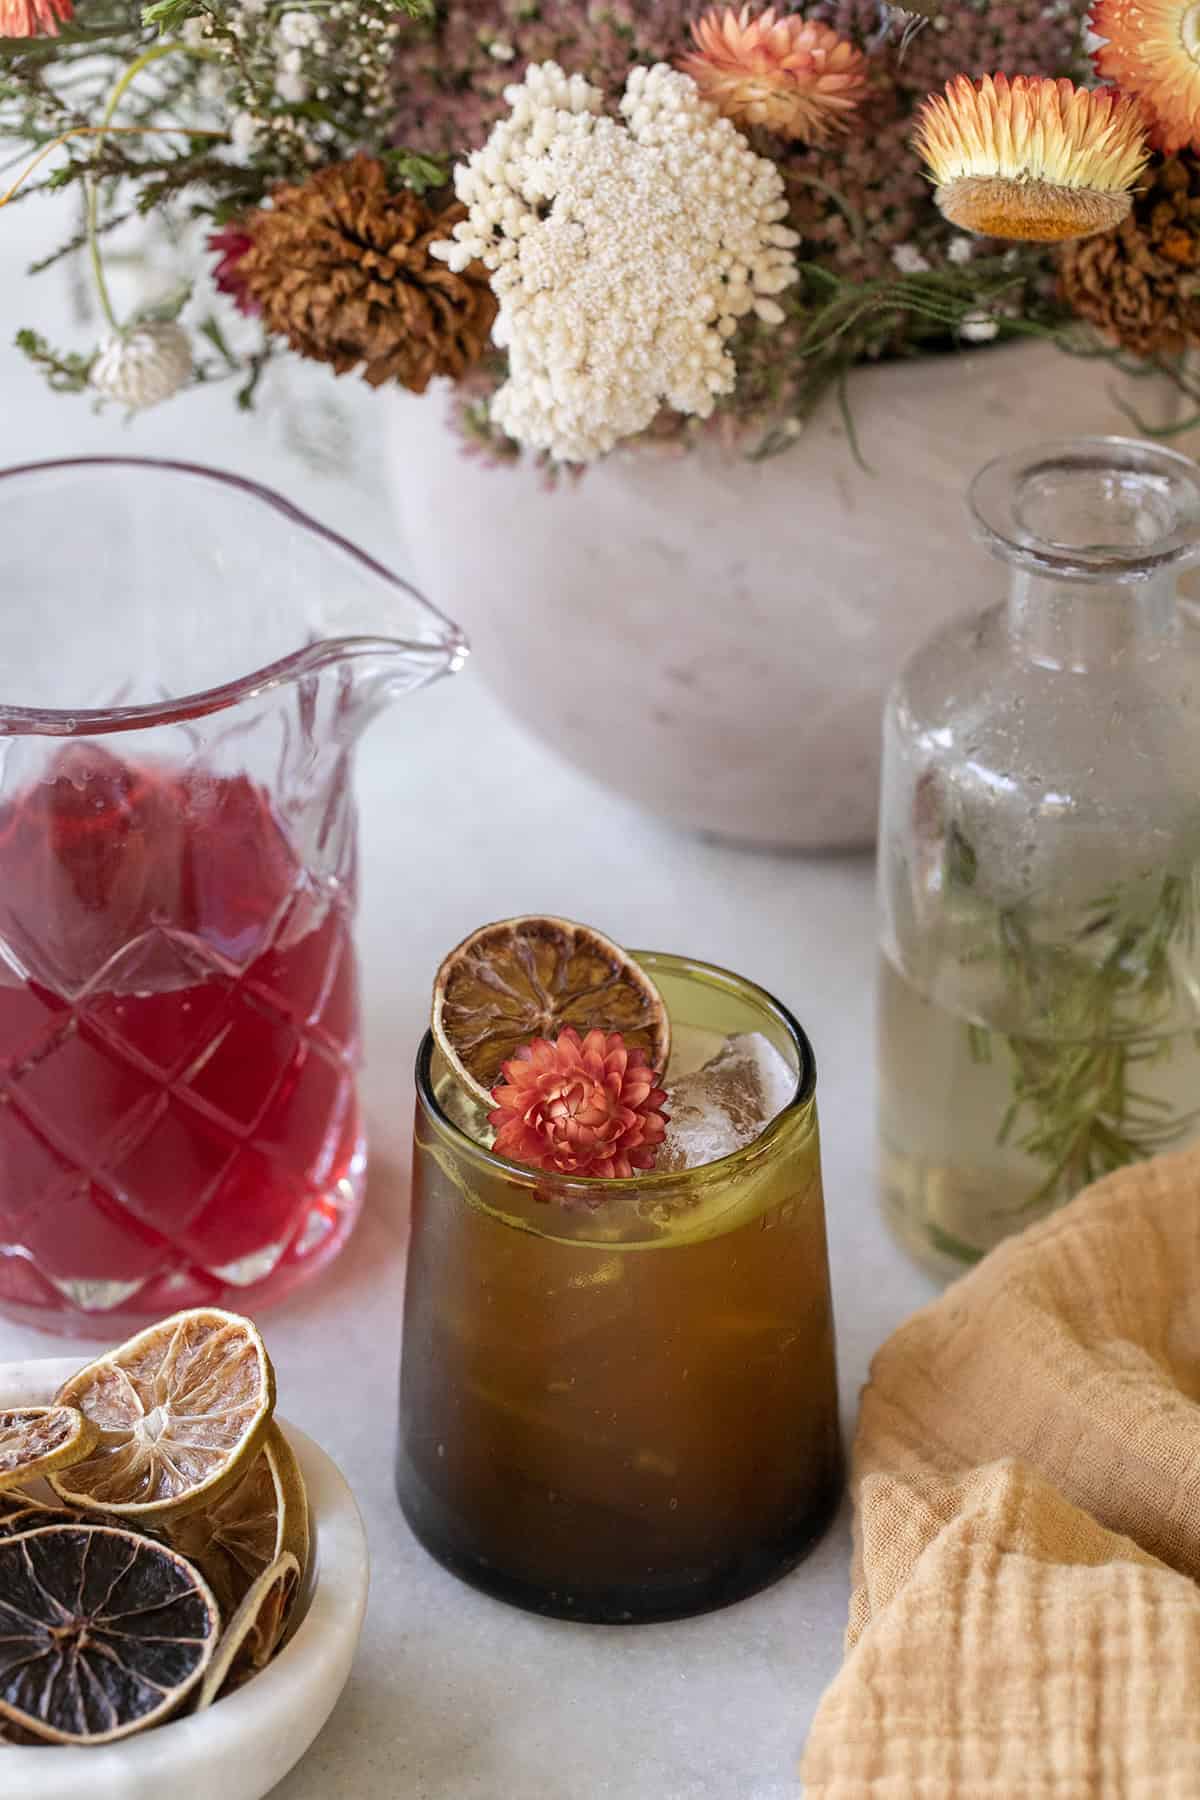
(65, 370)
(1106, 1002)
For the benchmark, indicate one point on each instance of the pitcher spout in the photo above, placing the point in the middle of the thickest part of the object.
(371, 673)
(212, 590)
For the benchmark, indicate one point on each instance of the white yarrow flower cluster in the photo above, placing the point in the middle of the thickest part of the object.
(623, 254)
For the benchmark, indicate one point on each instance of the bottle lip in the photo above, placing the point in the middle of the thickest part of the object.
(1160, 521)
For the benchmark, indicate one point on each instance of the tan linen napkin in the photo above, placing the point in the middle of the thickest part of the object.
(1024, 1622)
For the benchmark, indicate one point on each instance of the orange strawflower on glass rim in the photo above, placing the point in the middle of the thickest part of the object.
(580, 1106)
(29, 18)
(1152, 50)
(789, 75)
(1032, 158)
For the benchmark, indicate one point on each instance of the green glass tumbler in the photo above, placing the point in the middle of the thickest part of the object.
(618, 1398)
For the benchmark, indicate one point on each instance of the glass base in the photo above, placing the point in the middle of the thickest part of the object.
(111, 1310)
(652, 1599)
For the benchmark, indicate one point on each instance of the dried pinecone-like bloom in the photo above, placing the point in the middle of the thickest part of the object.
(623, 255)
(29, 18)
(144, 366)
(586, 1106)
(1140, 284)
(787, 74)
(340, 266)
(1152, 50)
(1032, 158)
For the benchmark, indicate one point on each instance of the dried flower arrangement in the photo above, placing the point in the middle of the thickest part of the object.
(613, 220)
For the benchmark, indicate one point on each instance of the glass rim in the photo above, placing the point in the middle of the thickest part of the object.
(995, 494)
(451, 652)
(652, 1179)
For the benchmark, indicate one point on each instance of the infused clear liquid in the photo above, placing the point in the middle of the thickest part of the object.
(954, 1181)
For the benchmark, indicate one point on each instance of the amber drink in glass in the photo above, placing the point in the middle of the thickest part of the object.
(618, 1398)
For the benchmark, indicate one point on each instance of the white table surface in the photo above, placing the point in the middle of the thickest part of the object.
(454, 1696)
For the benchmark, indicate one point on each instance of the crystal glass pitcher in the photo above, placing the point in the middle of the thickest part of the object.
(1040, 857)
(186, 663)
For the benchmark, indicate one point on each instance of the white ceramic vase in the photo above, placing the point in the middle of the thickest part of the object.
(714, 637)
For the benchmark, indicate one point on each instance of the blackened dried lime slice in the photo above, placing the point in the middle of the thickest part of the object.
(12, 1734)
(28, 1509)
(102, 1632)
(29, 1515)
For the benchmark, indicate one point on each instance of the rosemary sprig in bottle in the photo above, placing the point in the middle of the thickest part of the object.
(1080, 1106)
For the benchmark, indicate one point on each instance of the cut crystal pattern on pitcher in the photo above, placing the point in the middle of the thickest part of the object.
(181, 1121)
(179, 1018)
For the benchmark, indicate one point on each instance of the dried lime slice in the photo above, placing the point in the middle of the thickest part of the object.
(255, 1631)
(182, 1411)
(12, 1734)
(249, 1526)
(528, 978)
(36, 1439)
(102, 1632)
(21, 1512)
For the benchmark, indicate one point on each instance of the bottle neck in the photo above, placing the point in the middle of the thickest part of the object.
(1080, 626)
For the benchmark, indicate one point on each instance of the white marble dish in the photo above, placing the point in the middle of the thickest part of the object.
(243, 1745)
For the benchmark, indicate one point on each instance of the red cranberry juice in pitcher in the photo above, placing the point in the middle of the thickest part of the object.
(178, 1041)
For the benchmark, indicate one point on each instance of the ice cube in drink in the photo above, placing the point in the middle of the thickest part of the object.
(727, 1103)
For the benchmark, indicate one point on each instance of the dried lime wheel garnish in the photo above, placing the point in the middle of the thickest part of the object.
(527, 978)
(36, 1439)
(182, 1410)
(255, 1631)
(103, 1632)
(249, 1526)
(21, 1512)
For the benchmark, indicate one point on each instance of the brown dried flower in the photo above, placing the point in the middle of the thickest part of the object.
(1140, 284)
(340, 266)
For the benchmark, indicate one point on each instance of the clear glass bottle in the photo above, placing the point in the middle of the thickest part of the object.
(1039, 1010)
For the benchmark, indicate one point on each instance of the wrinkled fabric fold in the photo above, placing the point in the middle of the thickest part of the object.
(1024, 1622)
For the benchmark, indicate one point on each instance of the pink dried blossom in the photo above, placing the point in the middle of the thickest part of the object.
(581, 1107)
